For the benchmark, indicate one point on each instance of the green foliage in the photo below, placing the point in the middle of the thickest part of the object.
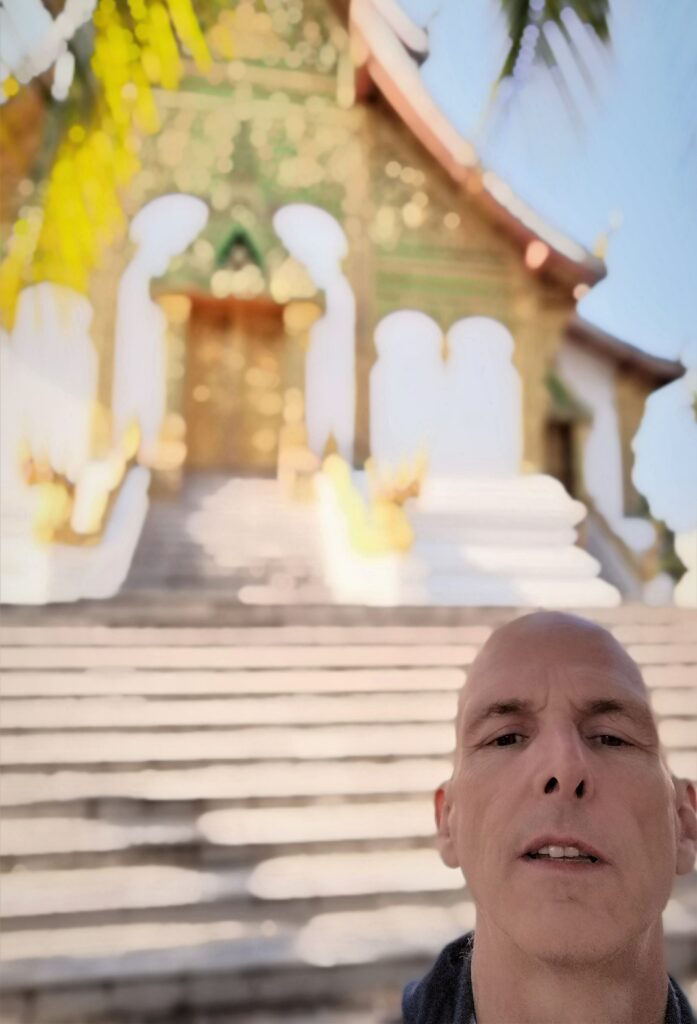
(521, 14)
(668, 560)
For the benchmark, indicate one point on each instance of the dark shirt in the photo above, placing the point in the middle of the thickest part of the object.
(445, 996)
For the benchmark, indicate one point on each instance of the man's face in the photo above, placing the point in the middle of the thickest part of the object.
(555, 740)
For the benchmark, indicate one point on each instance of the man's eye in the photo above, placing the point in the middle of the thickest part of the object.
(611, 741)
(508, 740)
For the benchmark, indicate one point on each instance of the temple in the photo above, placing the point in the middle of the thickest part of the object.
(358, 286)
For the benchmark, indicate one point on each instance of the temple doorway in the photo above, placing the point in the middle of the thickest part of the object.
(240, 364)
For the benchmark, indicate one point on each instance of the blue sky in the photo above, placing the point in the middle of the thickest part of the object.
(605, 145)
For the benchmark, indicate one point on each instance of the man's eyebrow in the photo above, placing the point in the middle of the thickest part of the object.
(635, 710)
(499, 709)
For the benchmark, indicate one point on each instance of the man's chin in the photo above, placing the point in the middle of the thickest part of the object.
(565, 941)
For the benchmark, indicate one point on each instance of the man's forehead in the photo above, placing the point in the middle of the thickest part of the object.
(527, 655)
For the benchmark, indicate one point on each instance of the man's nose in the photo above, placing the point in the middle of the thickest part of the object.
(564, 769)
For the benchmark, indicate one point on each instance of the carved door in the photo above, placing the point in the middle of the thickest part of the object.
(234, 385)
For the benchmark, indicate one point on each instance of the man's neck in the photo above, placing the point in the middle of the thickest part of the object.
(510, 985)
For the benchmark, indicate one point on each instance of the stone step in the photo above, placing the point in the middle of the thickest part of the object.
(529, 560)
(312, 743)
(215, 681)
(276, 595)
(105, 636)
(387, 1013)
(443, 591)
(316, 743)
(272, 781)
(670, 676)
(678, 703)
(100, 890)
(327, 1014)
(356, 822)
(303, 876)
(112, 636)
(185, 608)
(438, 533)
(47, 837)
(323, 1015)
(169, 525)
(129, 952)
(166, 657)
(54, 1008)
(250, 826)
(131, 713)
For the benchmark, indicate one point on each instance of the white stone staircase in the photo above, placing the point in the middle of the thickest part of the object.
(228, 536)
(234, 823)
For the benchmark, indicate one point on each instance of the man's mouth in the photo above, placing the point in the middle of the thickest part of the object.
(562, 850)
(562, 853)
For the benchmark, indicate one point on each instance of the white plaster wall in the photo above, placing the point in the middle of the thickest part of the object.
(593, 380)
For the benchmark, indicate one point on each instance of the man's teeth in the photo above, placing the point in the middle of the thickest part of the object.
(562, 852)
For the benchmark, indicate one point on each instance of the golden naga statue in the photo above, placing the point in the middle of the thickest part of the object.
(76, 513)
(377, 525)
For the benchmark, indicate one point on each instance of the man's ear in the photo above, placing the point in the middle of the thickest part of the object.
(446, 846)
(686, 808)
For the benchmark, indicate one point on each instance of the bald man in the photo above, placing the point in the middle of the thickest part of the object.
(569, 828)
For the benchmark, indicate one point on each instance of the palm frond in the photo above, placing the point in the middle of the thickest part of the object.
(524, 15)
